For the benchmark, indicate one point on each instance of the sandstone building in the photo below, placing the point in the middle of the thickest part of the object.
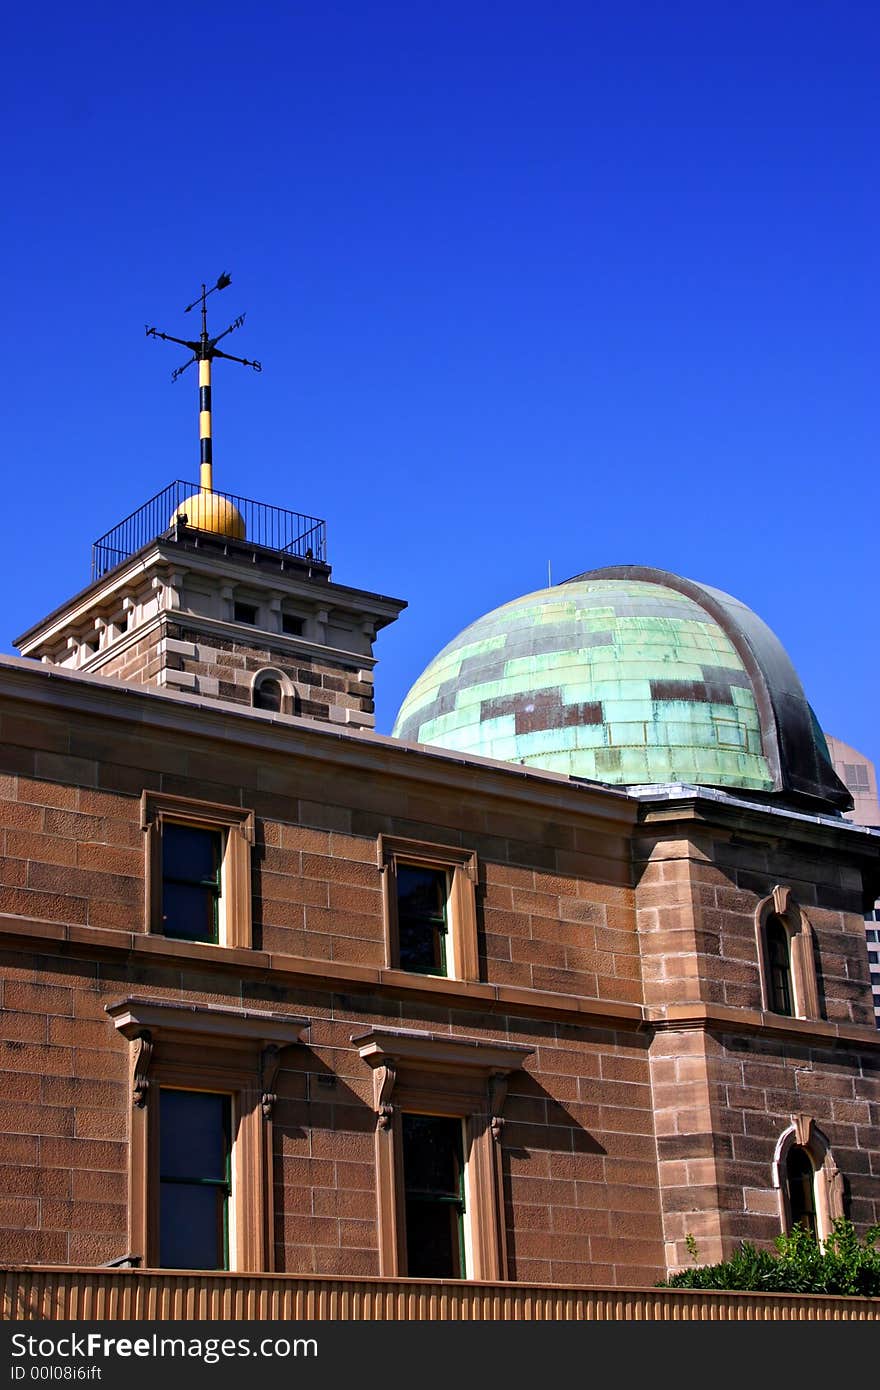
(570, 967)
(860, 776)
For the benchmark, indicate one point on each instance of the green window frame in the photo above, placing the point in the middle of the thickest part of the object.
(195, 1178)
(434, 1196)
(192, 881)
(423, 918)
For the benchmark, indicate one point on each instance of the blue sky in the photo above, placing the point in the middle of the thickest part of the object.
(567, 284)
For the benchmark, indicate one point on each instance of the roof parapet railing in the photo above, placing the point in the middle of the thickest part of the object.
(264, 526)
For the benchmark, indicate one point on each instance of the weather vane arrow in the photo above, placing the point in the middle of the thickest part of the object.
(204, 349)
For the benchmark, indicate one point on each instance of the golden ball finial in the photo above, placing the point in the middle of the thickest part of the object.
(210, 511)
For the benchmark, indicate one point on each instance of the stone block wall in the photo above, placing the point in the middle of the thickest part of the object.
(555, 930)
(723, 1097)
(623, 956)
(183, 658)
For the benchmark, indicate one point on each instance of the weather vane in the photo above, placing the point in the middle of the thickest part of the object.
(204, 350)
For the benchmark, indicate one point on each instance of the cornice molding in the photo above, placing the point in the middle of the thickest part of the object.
(698, 809)
(218, 627)
(389, 1047)
(220, 1022)
(715, 1018)
(101, 593)
(357, 750)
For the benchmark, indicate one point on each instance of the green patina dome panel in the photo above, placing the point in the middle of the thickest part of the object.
(621, 682)
(628, 676)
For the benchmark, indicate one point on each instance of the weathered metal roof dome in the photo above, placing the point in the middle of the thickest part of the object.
(631, 676)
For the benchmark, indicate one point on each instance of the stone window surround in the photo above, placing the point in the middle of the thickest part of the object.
(803, 1132)
(237, 825)
(436, 1074)
(289, 696)
(204, 1047)
(463, 961)
(781, 903)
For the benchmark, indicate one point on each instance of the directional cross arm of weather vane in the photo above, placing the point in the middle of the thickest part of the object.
(235, 324)
(169, 338)
(179, 370)
(245, 361)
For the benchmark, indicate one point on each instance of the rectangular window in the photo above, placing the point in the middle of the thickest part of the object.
(292, 625)
(430, 908)
(192, 858)
(204, 1083)
(422, 900)
(434, 1196)
(198, 869)
(245, 613)
(195, 1181)
(438, 1103)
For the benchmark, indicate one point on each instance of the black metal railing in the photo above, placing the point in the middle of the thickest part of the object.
(271, 528)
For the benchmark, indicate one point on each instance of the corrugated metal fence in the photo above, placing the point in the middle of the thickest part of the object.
(52, 1294)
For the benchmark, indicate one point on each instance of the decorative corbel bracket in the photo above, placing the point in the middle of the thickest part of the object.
(472, 1060)
(142, 1055)
(781, 899)
(384, 1079)
(270, 1062)
(497, 1097)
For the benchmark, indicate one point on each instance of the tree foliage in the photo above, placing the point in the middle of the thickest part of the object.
(844, 1265)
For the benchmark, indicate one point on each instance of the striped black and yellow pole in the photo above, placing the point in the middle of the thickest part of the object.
(211, 510)
(206, 460)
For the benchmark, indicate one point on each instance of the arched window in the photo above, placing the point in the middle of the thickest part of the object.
(267, 694)
(778, 966)
(800, 1177)
(787, 957)
(271, 690)
(807, 1180)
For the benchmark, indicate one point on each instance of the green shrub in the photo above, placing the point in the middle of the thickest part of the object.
(846, 1265)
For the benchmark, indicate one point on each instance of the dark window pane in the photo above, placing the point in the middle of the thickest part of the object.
(267, 695)
(421, 918)
(801, 1191)
(432, 1154)
(779, 967)
(194, 1179)
(420, 947)
(433, 1169)
(193, 1135)
(245, 613)
(422, 892)
(188, 912)
(191, 860)
(291, 625)
(192, 1226)
(190, 852)
(433, 1241)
